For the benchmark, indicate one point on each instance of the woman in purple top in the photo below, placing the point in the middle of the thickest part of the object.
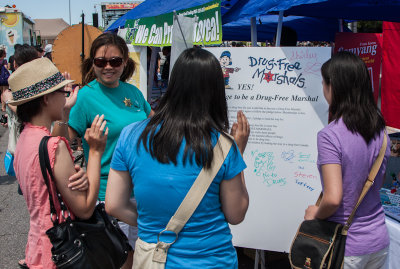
(347, 148)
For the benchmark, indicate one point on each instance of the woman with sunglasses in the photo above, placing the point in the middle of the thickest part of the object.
(38, 92)
(106, 93)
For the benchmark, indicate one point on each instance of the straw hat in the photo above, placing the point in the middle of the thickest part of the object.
(34, 79)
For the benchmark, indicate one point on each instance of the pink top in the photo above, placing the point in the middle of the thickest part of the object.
(29, 175)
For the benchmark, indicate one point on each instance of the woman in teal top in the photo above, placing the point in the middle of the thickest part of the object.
(162, 157)
(106, 93)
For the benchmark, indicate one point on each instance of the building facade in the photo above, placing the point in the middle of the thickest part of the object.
(111, 11)
(15, 28)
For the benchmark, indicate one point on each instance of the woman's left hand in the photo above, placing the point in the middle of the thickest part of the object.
(79, 180)
(311, 212)
(241, 131)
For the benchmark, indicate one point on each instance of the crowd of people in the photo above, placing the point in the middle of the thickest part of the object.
(141, 163)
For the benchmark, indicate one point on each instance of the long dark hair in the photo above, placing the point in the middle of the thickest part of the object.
(193, 107)
(26, 111)
(352, 98)
(107, 39)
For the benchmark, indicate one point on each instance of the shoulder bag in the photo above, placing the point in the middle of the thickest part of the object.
(321, 243)
(85, 244)
(154, 256)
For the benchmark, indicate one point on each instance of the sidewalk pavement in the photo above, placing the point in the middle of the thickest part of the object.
(14, 217)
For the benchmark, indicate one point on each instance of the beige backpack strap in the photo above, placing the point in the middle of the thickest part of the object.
(199, 187)
(193, 197)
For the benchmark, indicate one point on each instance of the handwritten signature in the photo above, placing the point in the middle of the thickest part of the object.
(288, 155)
(263, 162)
(305, 158)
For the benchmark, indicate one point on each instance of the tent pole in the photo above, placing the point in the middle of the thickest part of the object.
(279, 31)
(341, 25)
(253, 31)
(152, 70)
(180, 28)
(256, 259)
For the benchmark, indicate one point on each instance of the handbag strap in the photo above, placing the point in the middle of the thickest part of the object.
(45, 167)
(199, 187)
(370, 181)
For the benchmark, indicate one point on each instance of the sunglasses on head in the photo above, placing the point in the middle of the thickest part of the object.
(102, 62)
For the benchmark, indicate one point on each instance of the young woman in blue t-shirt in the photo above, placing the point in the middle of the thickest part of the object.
(161, 157)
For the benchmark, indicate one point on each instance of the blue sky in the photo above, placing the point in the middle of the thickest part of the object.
(51, 9)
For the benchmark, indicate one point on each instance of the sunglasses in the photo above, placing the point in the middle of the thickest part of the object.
(66, 93)
(102, 62)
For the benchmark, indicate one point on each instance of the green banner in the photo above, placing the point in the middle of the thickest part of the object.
(157, 31)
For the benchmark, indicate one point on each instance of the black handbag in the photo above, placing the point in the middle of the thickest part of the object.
(318, 244)
(97, 242)
(321, 243)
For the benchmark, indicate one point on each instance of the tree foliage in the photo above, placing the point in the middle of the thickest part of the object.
(369, 26)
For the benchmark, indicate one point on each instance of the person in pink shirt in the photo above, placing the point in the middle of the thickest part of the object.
(38, 90)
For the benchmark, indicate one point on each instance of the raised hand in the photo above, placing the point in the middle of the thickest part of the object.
(241, 131)
(71, 99)
(95, 136)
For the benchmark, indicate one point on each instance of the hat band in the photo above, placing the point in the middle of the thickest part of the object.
(39, 87)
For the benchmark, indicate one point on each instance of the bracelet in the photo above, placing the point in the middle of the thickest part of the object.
(60, 123)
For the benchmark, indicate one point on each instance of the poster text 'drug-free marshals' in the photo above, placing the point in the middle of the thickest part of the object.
(157, 31)
(280, 92)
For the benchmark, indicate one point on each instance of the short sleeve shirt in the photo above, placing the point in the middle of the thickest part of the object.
(121, 106)
(338, 145)
(206, 240)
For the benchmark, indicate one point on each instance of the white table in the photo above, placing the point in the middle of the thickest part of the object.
(393, 261)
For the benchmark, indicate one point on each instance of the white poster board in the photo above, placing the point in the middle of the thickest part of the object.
(280, 92)
(139, 77)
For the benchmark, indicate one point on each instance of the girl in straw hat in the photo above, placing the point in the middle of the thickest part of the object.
(38, 92)
(23, 54)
